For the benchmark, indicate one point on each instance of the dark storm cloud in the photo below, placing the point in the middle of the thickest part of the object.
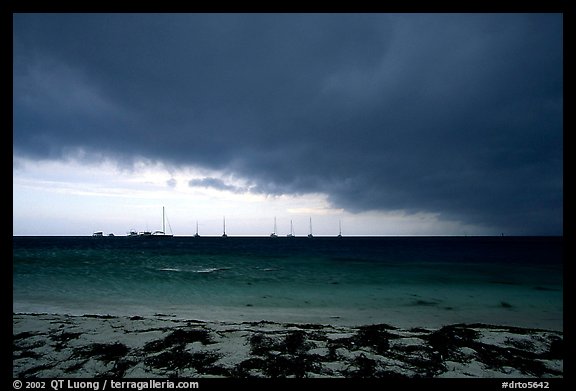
(459, 115)
(215, 183)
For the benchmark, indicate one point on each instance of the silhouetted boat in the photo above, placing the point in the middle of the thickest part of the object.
(291, 234)
(224, 234)
(196, 235)
(273, 234)
(310, 234)
(162, 233)
(155, 234)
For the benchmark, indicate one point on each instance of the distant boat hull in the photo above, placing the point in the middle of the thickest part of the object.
(155, 234)
(151, 236)
(161, 235)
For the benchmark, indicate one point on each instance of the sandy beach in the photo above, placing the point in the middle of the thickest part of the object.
(88, 346)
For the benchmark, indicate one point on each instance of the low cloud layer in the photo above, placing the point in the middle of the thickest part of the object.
(216, 183)
(459, 115)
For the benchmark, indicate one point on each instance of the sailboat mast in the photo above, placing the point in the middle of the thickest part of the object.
(163, 221)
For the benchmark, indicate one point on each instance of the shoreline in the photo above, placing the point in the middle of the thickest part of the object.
(53, 345)
(406, 317)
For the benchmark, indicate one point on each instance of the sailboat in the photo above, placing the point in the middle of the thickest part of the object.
(224, 234)
(162, 233)
(273, 234)
(196, 235)
(291, 234)
(340, 228)
(310, 234)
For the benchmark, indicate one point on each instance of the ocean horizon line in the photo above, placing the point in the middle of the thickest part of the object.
(316, 236)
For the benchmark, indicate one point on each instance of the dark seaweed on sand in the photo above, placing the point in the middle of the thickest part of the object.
(178, 358)
(279, 358)
(179, 337)
(294, 342)
(449, 339)
(372, 351)
(102, 351)
(63, 338)
(367, 368)
(376, 337)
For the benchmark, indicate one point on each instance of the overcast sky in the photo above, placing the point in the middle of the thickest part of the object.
(391, 123)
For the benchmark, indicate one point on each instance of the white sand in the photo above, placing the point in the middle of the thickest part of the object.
(48, 345)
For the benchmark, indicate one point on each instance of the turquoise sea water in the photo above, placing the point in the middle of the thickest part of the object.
(405, 281)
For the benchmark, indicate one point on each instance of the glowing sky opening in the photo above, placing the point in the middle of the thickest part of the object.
(71, 198)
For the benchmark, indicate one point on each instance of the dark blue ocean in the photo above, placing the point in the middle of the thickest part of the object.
(402, 281)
